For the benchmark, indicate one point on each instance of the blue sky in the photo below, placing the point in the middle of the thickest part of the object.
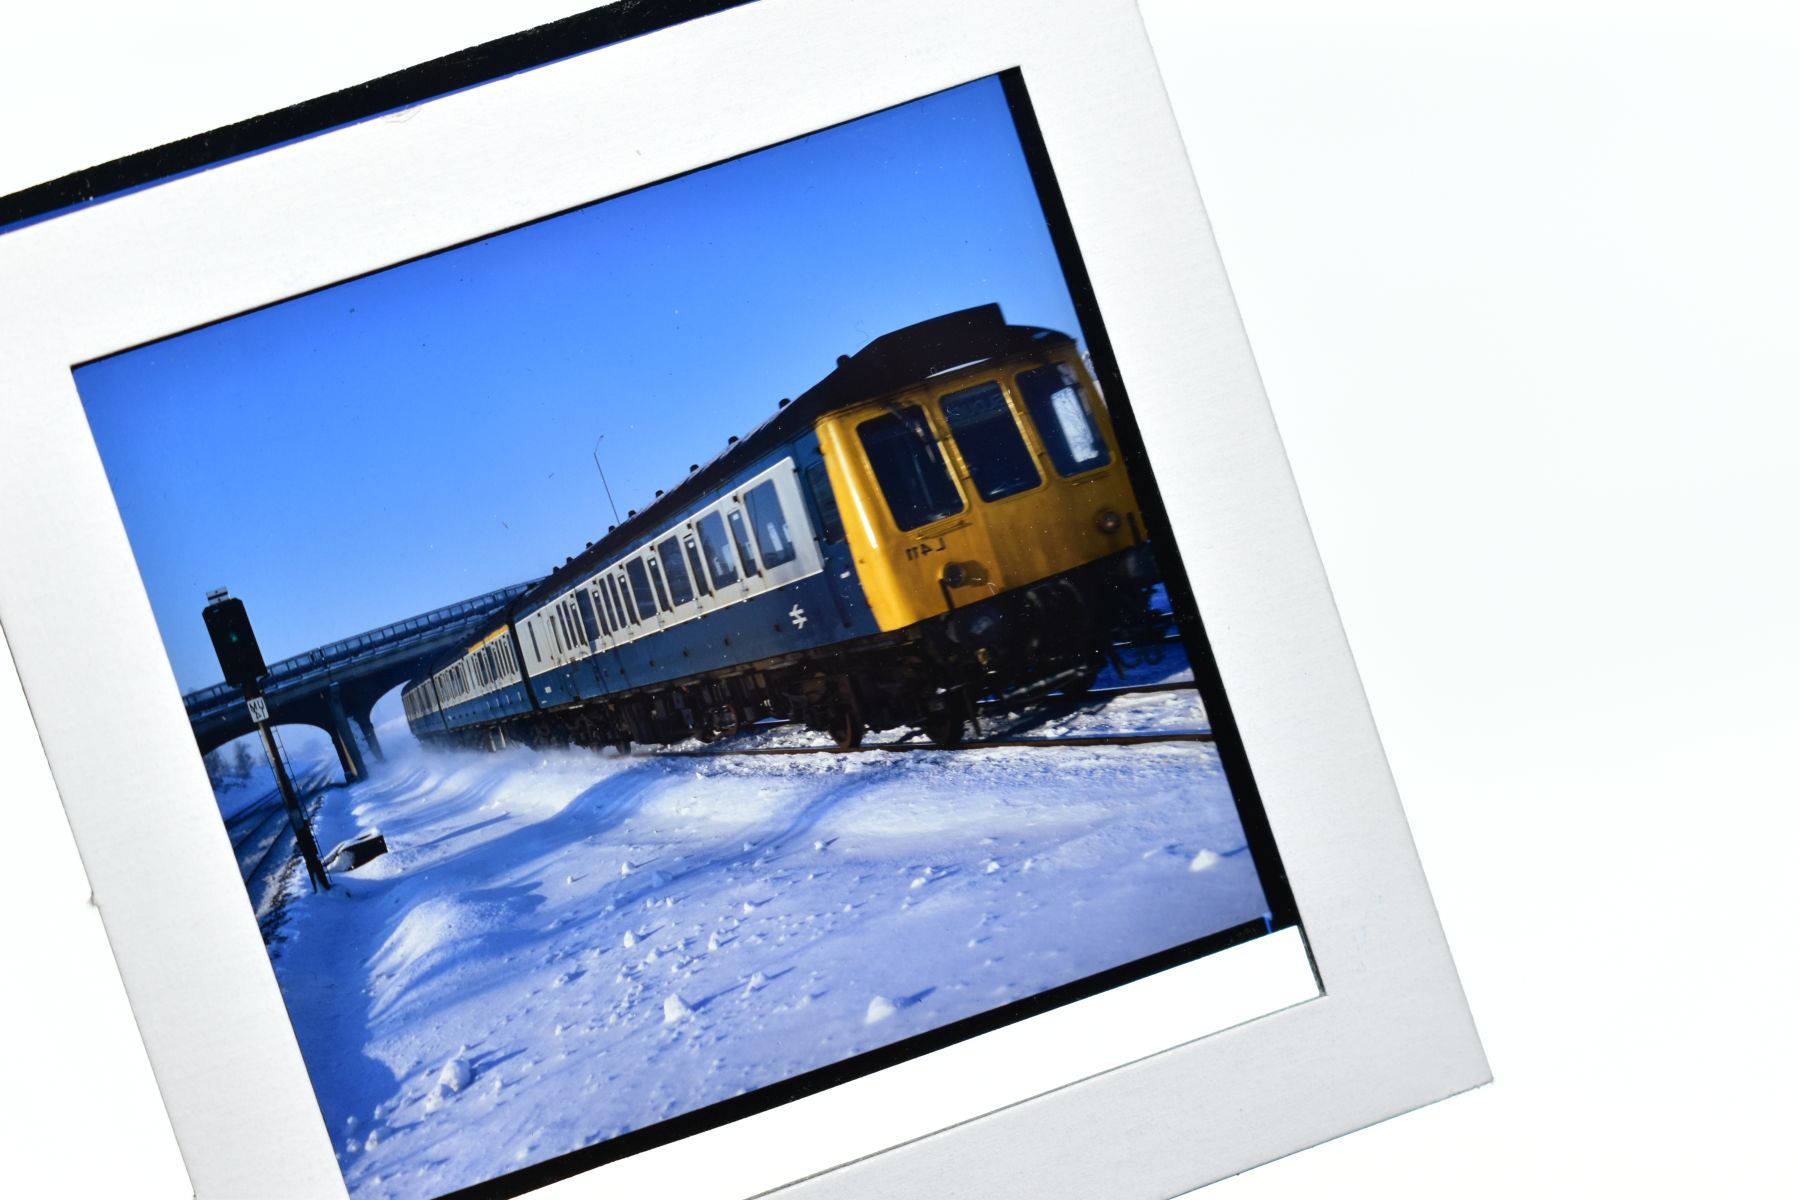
(425, 434)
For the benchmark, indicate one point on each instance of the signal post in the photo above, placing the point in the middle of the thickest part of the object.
(240, 658)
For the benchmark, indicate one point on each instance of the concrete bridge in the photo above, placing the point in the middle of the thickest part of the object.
(335, 687)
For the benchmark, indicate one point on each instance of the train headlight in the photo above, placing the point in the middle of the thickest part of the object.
(1108, 521)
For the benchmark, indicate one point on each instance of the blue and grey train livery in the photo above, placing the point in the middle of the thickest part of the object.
(942, 517)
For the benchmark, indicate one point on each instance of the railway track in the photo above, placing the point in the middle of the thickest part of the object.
(1091, 694)
(1041, 709)
(263, 843)
(1000, 743)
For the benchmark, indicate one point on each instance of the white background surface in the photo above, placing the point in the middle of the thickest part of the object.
(1522, 287)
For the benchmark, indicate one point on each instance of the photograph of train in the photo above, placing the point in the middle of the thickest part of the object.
(723, 636)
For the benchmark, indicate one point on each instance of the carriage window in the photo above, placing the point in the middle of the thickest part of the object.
(640, 588)
(556, 632)
(718, 554)
(831, 525)
(535, 651)
(607, 611)
(675, 571)
(586, 604)
(1053, 397)
(621, 600)
(693, 557)
(741, 536)
(909, 465)
(999, 462)
(770, 523)
(656, 577)
(600, 605)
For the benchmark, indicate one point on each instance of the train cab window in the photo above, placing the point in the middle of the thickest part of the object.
(741, 536)
(586, 603)
(1053, 397)
(675, 571)
(711, 529)
(640, 588)
(770, 523)
(831, 525)
(994, 450)
(909, 466)
(693, 558)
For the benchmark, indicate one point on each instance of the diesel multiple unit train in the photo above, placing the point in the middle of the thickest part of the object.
(944, 517)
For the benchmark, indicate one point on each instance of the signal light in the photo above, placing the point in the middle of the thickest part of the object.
(240, 658)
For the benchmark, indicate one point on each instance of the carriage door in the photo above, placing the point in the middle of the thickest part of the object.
(730, 576)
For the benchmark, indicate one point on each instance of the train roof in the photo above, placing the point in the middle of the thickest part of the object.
(891, 363)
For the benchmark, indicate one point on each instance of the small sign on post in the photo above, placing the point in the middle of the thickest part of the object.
(259, 709)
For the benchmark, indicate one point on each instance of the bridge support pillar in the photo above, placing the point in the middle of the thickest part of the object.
(349, 753)
(366, 723)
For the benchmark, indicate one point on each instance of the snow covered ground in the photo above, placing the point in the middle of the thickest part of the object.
(563, 946)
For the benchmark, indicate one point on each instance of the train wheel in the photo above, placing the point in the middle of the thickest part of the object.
(847, 730)
(946, 729)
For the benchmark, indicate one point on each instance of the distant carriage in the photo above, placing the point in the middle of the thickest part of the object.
(941, 518)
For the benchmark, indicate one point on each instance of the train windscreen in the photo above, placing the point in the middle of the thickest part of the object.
(1053, 397)
(998, 459)
(909, 466)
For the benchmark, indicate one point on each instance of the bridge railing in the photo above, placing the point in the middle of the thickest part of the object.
(300, 667)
